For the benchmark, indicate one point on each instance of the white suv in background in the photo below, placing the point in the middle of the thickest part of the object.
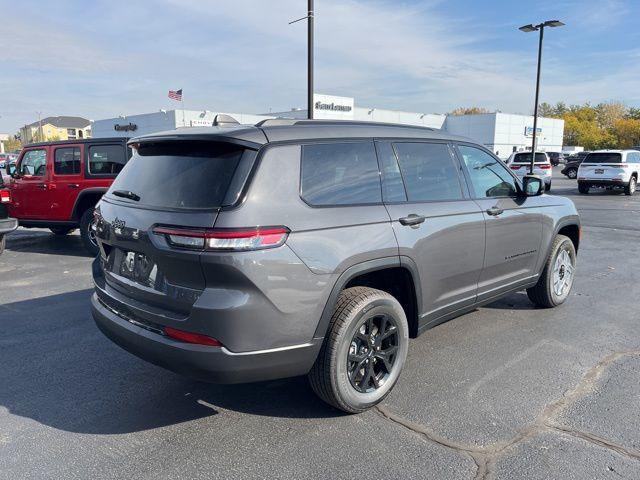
(610, 169)
(520, 163)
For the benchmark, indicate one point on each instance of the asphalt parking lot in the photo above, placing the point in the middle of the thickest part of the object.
(508, 391)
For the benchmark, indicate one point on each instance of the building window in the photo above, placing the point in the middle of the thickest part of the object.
(71, 133)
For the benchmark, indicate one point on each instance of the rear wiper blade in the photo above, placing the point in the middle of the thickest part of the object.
(126, 194)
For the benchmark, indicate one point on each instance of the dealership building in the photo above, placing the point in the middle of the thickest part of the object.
(502, 133)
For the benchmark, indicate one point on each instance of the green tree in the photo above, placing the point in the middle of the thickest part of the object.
(627, 132)
(13, 144)
(469, 111)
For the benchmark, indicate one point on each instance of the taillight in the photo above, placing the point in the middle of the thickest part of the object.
(190, 337)
(515, 167)
(5, 196)
(225, 240)
(544, 166)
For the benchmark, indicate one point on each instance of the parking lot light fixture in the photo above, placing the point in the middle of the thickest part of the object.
(527, 29)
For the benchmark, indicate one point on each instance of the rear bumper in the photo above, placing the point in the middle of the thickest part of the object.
(603, 182)
(8, 225)
(210, 364)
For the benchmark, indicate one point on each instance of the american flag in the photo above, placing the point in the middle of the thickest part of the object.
(176, 95)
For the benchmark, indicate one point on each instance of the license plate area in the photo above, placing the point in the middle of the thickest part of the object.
(134, 266)
(599, 171)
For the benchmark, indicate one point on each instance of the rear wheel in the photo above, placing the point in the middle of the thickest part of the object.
(3, 242)
(547, 187)
(88, 233)
(363, 352)
(630, 188)
(556, 280)
(572, 173)
(61, 230)
(583, 188)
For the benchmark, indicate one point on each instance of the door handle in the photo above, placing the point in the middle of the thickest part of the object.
(42, 186)
(412, 219)
(73, 185)
(495, 211)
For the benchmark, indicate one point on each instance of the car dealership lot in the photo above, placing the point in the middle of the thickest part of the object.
(507, 391)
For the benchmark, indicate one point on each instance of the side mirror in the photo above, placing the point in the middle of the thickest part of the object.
(532, 185)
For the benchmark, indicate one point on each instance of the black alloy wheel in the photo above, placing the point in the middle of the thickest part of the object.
(372, 353)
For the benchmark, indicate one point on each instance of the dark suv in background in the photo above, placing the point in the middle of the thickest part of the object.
(316, 247)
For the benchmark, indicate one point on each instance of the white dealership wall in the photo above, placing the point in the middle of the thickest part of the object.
(142, 124)
(502, 133)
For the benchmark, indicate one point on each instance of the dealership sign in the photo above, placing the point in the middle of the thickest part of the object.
(336, 107)
(129, 127)
(528, 131)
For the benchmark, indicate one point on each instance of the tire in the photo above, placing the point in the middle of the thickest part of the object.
(359, 313)
(546, 293)
(62, 231)
(547, 187)
(3, 243)
(572, 173)
(630, 188)
(88, 237)
(583, 188)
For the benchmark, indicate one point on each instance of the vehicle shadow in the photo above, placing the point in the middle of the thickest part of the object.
(60, 371)
(43, 241)
(513, 301)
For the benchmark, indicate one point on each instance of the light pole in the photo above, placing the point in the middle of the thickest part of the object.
(309, 18)
(540, 28)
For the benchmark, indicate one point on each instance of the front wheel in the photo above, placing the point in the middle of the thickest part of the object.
(556, 280)
(630, 188)
(3, 242)
(88, 232)
(363, 352)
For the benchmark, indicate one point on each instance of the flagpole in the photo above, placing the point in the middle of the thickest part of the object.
(182, 101)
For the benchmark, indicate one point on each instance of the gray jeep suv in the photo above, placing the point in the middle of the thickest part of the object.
(238, 254)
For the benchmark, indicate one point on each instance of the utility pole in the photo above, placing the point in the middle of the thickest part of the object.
(40, 126)
(535, 28)
(310, 59)
(309, 18)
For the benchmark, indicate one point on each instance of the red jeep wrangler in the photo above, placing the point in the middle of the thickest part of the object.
(56, 185)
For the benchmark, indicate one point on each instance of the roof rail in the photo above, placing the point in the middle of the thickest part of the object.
(292, 121)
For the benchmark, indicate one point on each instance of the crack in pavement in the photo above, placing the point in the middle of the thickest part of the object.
(485, 457)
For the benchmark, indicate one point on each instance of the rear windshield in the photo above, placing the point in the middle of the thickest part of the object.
(180, 174)
(603, 158)
(526, 158)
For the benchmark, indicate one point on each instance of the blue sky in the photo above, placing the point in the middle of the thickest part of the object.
(105, 58)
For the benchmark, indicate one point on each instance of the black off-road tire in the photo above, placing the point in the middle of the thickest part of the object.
(328, 376)
(542, 294)
(86, 222)
(3, 242)
(61, 231)
(583, 188)
(630, 188)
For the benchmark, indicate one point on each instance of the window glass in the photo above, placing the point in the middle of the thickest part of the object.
(106, 159)
(488, 177)
(66, 161)
(526, 158)
(34, 163)
(603, 157)
(633, 157)
(180, 174)
(428, 171)
(392, 186)
(340, 174)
